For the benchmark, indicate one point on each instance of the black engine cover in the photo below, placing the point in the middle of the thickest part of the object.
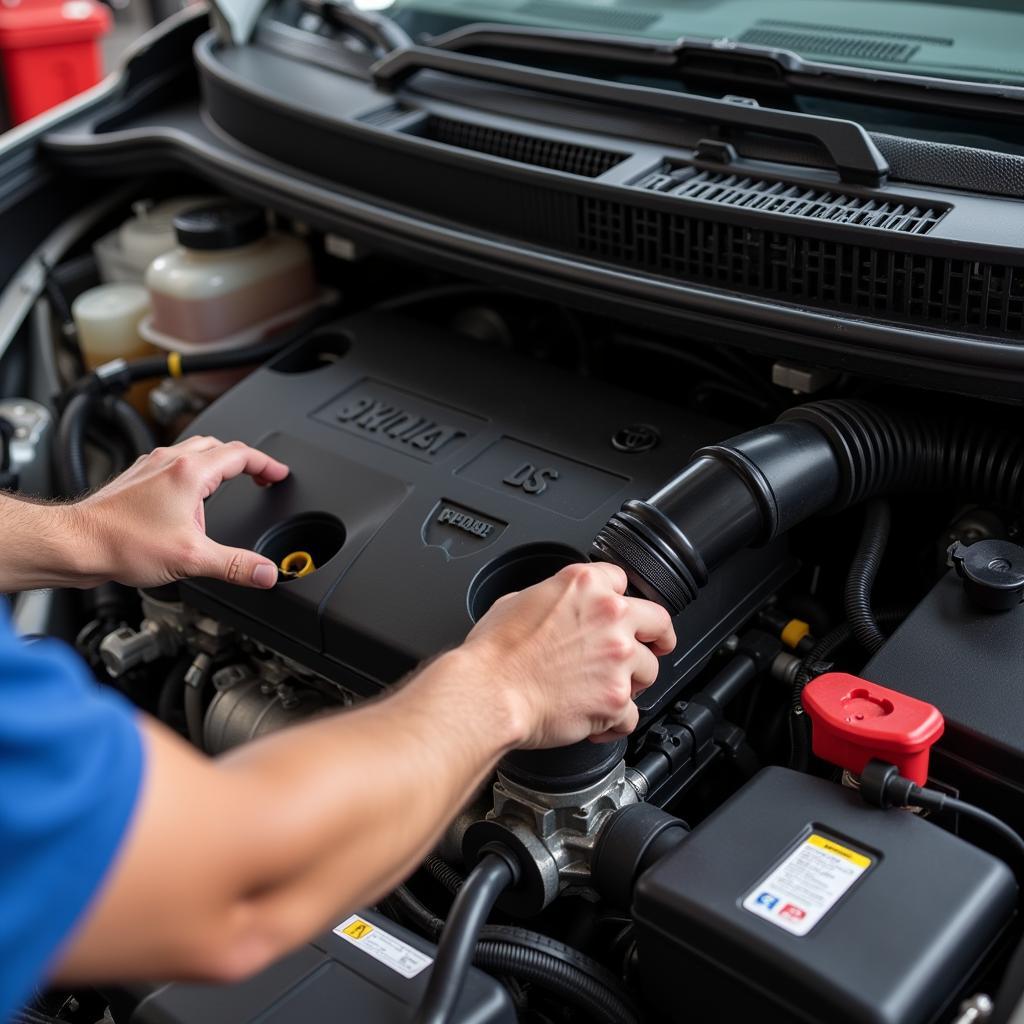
(430, 475)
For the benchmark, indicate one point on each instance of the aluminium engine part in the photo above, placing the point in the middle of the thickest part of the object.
(245, 707)
(553, 834)
(26, 426)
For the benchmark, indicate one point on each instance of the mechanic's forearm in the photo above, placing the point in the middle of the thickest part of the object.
(44, 545)
(231, 863)
(398, 768)
(358, 800)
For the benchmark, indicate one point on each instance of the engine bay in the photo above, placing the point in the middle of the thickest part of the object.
(818, 816)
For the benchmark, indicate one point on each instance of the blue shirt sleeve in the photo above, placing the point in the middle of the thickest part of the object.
(71, 764)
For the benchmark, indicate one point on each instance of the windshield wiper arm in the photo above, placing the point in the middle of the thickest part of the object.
(853, 153)
(740, 65)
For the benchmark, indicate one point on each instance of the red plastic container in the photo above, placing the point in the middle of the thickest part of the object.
(50, 51)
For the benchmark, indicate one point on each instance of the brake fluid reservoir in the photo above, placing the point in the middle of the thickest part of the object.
(227, 273)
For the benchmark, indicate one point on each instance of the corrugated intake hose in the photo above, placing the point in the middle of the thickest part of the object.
(816, 457)
(860, 581)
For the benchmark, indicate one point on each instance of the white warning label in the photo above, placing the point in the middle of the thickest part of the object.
(807, 884)
(383, 946)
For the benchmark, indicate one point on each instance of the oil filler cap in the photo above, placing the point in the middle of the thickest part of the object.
(992, 571)
(855, 721)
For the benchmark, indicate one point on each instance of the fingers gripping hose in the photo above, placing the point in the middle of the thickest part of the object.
(824, 455)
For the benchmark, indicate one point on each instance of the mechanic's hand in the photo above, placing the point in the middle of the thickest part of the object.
(147, 527)
(574, 652)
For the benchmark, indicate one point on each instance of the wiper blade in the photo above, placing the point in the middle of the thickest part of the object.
(739, 65)
(853, 153)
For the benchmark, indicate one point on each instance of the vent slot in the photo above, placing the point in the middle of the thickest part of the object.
(769, 195)
(832, 45)
(869, 280)
(593, 16)
(584, 161)
(385, 117)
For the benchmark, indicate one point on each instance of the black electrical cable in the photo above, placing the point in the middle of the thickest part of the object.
(484, 884)
(882, 786)
(934, 800)
(572, 976)
(860, 581)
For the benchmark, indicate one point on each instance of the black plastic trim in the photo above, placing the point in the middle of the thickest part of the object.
(855, 156)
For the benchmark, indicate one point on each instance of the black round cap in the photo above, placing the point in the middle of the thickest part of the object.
(562, 769)
(992, 571)
(220, 226)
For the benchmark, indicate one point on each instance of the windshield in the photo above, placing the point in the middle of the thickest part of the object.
(967, 39)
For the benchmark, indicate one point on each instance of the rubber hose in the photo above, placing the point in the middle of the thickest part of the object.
(484, 884)
(862, 575)
(569, 983)
(553, 966)
(131, 424)
(443, 873)
(71, 468)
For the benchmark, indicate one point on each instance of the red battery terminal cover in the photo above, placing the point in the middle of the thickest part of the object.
(855, 720)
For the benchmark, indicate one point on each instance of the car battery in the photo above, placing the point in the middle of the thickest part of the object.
(367, 969)
(795, 901)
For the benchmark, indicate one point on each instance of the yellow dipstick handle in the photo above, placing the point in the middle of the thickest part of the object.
(298, 563)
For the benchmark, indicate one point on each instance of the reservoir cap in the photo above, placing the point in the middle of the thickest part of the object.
(216, 226)
(855, 720)
(992, 571)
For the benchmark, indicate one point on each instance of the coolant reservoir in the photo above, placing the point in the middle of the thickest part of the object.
(228, 273)
(107, 321)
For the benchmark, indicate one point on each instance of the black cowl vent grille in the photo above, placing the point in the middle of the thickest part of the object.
(831, 44)
(796, 200)
(864, 279)
(585, 161)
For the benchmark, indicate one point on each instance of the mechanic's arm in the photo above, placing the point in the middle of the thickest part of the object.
(229, 863)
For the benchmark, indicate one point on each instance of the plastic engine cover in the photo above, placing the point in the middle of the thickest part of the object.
(429, 476)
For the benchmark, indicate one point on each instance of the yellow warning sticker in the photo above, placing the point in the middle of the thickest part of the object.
(384, 946)
(808, 883)
(358, 929)
(843, 851)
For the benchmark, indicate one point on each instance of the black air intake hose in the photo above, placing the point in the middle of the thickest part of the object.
(824, 455)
